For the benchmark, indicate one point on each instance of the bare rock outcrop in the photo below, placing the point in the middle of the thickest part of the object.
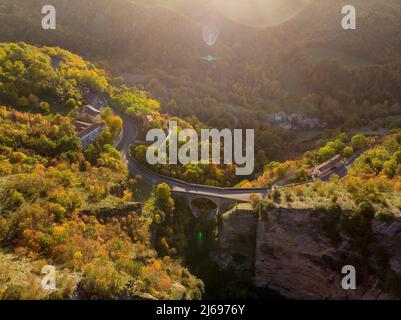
(237, 237)
(294, 254)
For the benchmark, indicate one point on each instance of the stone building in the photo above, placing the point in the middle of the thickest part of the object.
(326, 166)
(88, 114)
(88, 123)
(89, 134)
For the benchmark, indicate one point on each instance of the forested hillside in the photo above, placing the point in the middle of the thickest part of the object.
(372, 175)
(307, 65)
(35, 79)
(311, 90)
(68, 207)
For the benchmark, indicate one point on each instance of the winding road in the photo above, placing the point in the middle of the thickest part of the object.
(129, 136)
(342, 170)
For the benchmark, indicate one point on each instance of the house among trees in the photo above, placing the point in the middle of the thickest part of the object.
(326, 166)
(294, 121)
(285, 125)
(310, 123)
(88, 114)
(88, 123)
(277, 117)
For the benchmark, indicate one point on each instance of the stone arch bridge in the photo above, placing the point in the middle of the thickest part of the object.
(221, 202)
(221, 197)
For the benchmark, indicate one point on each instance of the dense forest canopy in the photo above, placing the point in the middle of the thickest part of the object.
(54, 194)
(52, 74)
(43, 201)
(306, 65)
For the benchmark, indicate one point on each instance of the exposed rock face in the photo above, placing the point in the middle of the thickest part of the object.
(296, 257)
(237, 237)
(112, 210)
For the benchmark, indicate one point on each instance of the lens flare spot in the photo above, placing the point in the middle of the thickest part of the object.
(210, 34)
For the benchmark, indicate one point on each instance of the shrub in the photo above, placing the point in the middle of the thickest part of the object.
(261, 208)
(276, 195)
(384, 215)
(366, 210)
(335, 210)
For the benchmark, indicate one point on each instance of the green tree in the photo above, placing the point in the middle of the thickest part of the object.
(389, 168)
(164, 199)
(106, 113)
(397, 157)
(114, 123)
(71, 103)
(366, 210)
(45, 146)
(359, 142)
(163, 191)
(44, 106)
(69, 144)
(348, 151)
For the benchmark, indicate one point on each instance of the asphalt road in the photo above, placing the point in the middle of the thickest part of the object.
(342, 169)
(130, 134)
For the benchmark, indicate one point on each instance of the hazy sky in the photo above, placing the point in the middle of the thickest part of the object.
(260, 12)
(250, 12)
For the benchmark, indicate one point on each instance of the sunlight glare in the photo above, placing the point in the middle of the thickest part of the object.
(260, 13)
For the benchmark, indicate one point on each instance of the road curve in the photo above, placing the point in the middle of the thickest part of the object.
(130, 134)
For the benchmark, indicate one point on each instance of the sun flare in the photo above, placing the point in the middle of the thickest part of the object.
(260, 12)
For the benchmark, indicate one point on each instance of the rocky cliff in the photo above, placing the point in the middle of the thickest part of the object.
(237, 238)
(300, 253)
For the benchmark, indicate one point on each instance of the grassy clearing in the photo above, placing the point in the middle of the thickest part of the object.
(20, 278)
(318, 195)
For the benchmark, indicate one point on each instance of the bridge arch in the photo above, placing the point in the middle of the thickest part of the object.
(196, 211)
(222, 204)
